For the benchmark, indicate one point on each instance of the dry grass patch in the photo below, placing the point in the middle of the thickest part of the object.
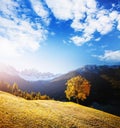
(16, 112)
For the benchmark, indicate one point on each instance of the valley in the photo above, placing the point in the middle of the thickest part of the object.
(105, 89)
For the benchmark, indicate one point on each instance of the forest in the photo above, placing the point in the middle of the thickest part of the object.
(15, 90)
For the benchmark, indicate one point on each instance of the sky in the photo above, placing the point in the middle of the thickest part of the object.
(59, 35)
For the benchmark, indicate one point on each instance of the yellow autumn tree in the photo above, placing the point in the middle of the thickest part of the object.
(77, 88)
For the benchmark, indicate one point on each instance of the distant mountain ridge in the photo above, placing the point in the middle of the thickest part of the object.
(34, 75)
(27, 74)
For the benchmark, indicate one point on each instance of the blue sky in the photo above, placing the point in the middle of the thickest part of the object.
(59, 35)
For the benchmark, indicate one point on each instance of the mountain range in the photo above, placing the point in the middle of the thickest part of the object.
(27, 74)
(104, 80)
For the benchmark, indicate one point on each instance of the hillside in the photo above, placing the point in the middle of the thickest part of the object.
(23, 84)
(104, 79)
(16, 112)
(105, 89)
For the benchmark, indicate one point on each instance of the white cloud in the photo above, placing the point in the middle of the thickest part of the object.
(97, 39)
(104, 25)
(8, 8)
(118, 19)
(87, 18)
(77, 25)
(101, 21)
(61, 8)
(79, 41)
(24, 34)
(40, 10)
(18, 35)
(110, 56)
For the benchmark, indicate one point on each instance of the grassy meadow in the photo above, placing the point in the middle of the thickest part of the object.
(16, 112)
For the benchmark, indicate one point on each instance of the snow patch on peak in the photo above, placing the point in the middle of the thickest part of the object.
(34, 75)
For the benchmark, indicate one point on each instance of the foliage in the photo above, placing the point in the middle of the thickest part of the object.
(77, 88)
(14, 89)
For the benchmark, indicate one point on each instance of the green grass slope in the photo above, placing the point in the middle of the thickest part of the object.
(16, 112)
